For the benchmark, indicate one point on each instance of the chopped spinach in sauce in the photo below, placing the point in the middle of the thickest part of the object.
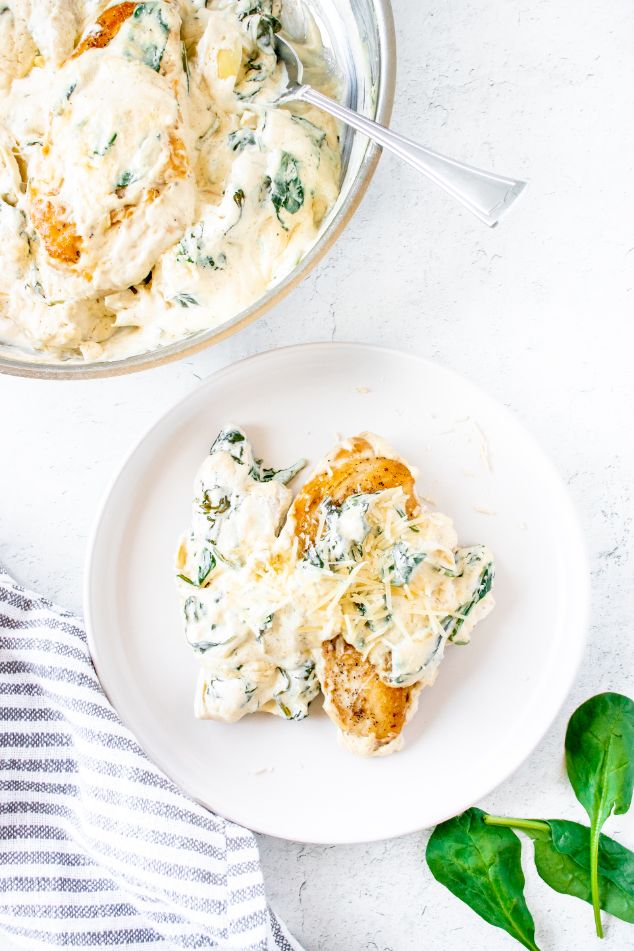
(315, 134)
(287, 191)
(185, 300)
(146, 34)
(206, 566)
(260, 473)
(232, 441)
(190, 250)
(400, 564)
(453, 624)
(126, 178)
(193, 609)
(239, 140)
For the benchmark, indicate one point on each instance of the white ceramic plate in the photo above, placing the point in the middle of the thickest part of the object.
(492, 701)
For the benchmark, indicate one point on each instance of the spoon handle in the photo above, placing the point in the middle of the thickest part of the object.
(487, 195)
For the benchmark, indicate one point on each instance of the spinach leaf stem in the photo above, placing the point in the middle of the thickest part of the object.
(595, 831)
(511, 823)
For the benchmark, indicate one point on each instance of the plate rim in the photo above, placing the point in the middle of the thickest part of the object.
(570, 513)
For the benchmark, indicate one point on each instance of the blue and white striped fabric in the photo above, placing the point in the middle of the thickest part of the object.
(97, 847)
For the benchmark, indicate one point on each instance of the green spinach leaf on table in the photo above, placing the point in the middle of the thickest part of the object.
(600, 763)
(482, 866)
(562, 859)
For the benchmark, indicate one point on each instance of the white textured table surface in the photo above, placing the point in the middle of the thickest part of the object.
(538, 312)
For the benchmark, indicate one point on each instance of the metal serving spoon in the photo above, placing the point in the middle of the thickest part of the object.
(487, 195)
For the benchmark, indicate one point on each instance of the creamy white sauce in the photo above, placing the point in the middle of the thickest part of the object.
(149, 188)
(397, 588)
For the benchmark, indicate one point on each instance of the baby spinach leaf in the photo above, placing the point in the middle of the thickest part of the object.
(562, 859)
(400, 563)
(239, 140)
(193, 609)
(185, 300)
(260, 473)
(147, 33)
(482, 866)
(600, 763)
(125, 178)
(453, 622)
(229, 437)
(207, 564)
(316, 135)
(264, 23)
(191, 250)
(232, 441)
(287, 191)
(600, 754)
(266, 29)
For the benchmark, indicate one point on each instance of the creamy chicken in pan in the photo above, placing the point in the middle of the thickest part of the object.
(150, 185)
(353, 588)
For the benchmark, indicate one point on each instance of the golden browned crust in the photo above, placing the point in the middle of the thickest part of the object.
(361, 705)
(105, 29)
(352, 471)
(369, 712)
(179, 160)
(56, 232)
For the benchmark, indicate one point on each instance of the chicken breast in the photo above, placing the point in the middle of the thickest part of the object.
(105, 28)
(370, 713)
(147, 32)
(112, 187)
(355, 468)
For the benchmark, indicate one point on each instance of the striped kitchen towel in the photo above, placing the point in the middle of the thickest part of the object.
(97, 847)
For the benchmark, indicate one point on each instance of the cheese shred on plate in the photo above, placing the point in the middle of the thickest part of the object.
(396, 588)
(150, 187)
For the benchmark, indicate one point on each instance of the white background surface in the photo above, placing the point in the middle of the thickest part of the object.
(538, 312)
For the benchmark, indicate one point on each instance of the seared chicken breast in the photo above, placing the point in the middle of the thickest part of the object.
(105, 28)
(355, 468)
(109, 175)
(369, 713)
